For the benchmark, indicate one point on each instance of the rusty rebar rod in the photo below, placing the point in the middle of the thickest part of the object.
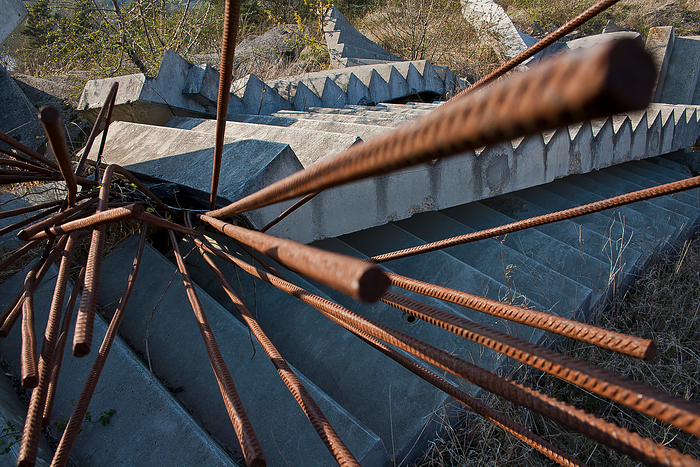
(620, 439)
(603, 338)
(17, 254)
(289, 210)
(25, 166)
(71, 431)
(20, 157)
(648, 400)
(166, 224)
(608, 79)
(28, 220)
(26, 209)
(109, 103)
(318, 420)
(10, 141)
(34, 420)
(53, 126)
(61, 346)
(597, 206)
(52, 221)
(23, 178)
(540, 45)
(252, 452)
(95, 220)
(342, 273)
(228, 48)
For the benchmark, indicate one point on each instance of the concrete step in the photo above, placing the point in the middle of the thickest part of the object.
(377, 391)
(148, 428)
(559, 247)
(378, 120)
(437, 268)
(308, 145)
(401, 111)
(364, 131)
(683, 70)
(161, 326)
(656, 175)
(514, 271)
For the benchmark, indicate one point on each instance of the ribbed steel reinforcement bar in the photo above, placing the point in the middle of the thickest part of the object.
(616, 201)
(608, 79)
(250, 447)
(648, 400)
(30, 231)
(106, 108)
(343, 273)
(34, 420)
(71, 431)
(10, 141)
(53, 126)
(228, 47)
(289, 210)
(620, 439)
(507, 424)
(25, 166)
(318, 420)
(603, 338)
(540, 45)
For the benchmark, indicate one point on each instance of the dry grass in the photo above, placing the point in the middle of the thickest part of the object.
(663, 305)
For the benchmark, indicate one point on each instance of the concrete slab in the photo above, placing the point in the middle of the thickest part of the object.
(308, 145)
(659, 45)
(162, 153)
(367, 120)
(590, 41)
(14, 13)
(148, 428)
(682, 75)
(48, 192)
(162, 312)
(19, 117)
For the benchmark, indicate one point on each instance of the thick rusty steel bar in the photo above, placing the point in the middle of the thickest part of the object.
(228, 47)
(92, 221)
(17, 254)
(35, 414)
(509, 426)
(27, 150)
(540, 45)
(25, 166)
(621, 200)
(109, 103)
(608, 79)
(53, 126)
(289, 210)
(28, 220)
(250, 447)
(318, 420)
(631, 444)
(69, 434)
(60, 347)
(52, 221)
(166, 224)
(603, 338)
(20, 157)
(343, 273)
(103, 141)
(26, 209)
(648, 400)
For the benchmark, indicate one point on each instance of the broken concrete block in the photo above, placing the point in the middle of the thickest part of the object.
(659, 45)
(683, 71)
(347, 46)
(590, 41)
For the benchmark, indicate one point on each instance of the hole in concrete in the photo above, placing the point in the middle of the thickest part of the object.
(410, 319)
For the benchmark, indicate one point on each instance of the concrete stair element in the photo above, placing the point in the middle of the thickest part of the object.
(149, 426)
(677, 62)
(161, 326)
(347, 46)
(381, 394)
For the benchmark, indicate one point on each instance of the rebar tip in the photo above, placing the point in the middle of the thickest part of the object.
(30, 381)
(650, 351)
(81, 349)
(373, 284)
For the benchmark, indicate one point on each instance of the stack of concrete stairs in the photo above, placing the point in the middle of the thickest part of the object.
(347, 46)
(678, 62)
(187, 90)
(381, 411)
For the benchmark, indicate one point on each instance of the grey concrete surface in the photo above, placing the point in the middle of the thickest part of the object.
(683, 69)
(19, 117)
(162, 312)
(148, 428)
(14, 13)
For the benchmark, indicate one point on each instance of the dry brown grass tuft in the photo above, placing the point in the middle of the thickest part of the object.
(664, 305)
